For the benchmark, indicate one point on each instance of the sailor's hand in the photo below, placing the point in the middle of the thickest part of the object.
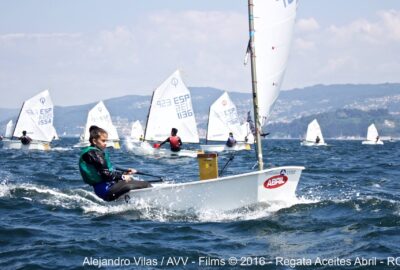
(126, 177)
(130, 171)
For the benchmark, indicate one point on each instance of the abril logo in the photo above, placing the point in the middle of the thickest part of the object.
(275, 181)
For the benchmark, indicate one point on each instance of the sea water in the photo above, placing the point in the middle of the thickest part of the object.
(346, 216)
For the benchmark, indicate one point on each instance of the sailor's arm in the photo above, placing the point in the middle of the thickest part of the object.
(167, 140)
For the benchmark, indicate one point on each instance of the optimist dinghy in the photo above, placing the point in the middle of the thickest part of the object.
(271, 24)
(171, 107)
(100, 117)
(372, 136)
(135, 139)
(223, 119)
(36, 118)
(314, 135)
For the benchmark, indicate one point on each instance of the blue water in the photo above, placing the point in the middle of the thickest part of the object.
(348, 207)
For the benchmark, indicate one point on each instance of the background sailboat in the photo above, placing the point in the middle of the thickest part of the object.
(222, 119)
(273, 21)
(9, 129)
(171, 107)
(314, 135)
(137, 133)
(135, 140)
(100, 117)
(372, 136)
(36, 118)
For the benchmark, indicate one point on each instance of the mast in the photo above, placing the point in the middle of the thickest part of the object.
(16, 122)
(148, 115)
(254, 88)
(208, 123)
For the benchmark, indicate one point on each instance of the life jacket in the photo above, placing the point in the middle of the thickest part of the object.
(88, 171)
(174, 142)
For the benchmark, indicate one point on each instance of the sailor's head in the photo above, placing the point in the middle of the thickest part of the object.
(230, 134)
(174, 131)
(98, 137)
(24, 132)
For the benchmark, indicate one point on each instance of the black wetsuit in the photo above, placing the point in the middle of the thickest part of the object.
(112, 185)
(25, 140)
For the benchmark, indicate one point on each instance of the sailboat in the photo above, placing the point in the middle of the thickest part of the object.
(223, 118)
(271, 24)
(36, 118)
(55, 135)
(171, 107)
(314, 135)
(136, 132)
(9, 130)
(135, 139)
(372, 136)
(100, 117)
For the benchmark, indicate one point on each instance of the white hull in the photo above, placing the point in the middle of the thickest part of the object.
(223, 147)
(373, 142)
(306, 143)
(83, 144)
(222, 194)
(34, 145)
(144, 148)
(168, 153)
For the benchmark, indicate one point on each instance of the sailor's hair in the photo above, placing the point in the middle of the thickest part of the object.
(95, 133)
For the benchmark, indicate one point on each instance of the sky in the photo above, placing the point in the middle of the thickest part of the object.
(85, 51)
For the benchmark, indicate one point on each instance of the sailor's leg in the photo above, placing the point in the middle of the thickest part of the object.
(122, 187)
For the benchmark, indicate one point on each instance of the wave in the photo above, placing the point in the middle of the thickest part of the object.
(60, 149)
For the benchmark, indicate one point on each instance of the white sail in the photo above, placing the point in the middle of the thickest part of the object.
(314, 131)
(55, 135)
(222, 119)
(136, 131)
(273, 24)
(36, 118)
(99, 116)
(372, 133)
(171, 107)
(9, 129)
(246, 130)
